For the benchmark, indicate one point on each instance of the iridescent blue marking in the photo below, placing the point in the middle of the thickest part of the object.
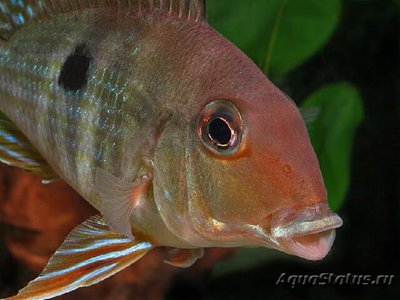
(11, 139)
(18, 19)
(21, 3)
(17, 156)
(99, 155)
(74, 113)
(29, 10)
(112, 88)
(99, 243)
(74, 94)
(94, 276)
(106, 256)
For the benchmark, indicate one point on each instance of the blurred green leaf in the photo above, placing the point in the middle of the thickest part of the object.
(332, 135)
(277, 34)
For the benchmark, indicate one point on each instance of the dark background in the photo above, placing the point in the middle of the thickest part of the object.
(364, 51)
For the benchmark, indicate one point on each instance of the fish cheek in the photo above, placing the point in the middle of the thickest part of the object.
(229, 190)
(170, 185)
(202, 199)
(182, 189)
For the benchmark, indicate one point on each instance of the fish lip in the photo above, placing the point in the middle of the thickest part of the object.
(312, 246)
(294, 222)
(302, 228)
(307, 232)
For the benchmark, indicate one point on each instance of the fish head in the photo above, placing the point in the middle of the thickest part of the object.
(241, 170)
(259, 178)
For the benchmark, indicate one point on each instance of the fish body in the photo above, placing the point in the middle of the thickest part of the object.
(113, 120)
(165, 127)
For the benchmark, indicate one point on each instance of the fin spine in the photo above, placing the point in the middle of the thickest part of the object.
(16, 14)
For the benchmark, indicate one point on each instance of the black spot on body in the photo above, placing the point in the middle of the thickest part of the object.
(73, 79)
(74, 73)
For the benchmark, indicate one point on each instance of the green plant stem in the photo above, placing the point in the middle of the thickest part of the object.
(274, 33)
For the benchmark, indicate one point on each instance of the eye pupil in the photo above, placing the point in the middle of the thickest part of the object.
(220, 128)
(219, 131)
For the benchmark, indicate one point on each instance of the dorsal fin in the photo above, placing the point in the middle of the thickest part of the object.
(15, 14)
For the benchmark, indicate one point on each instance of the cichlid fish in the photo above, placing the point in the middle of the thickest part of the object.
(164, 126)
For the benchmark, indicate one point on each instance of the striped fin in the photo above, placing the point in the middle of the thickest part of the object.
(17, 151)
(14, 14)
(91, 253)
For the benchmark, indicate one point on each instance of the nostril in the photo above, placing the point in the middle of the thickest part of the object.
(287, 169)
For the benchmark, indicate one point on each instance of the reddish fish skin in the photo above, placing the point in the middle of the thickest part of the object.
(276, 167)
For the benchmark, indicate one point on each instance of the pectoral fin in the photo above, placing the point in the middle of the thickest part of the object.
(119, 198)
(184, 257)
(91, 253)
(17, 151)
(310, 114)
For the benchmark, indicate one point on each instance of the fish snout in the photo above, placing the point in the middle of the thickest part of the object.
(306, 232)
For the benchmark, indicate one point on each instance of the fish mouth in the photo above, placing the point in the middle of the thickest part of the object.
(306, 232)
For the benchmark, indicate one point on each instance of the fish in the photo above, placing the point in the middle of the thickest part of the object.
(164, 126)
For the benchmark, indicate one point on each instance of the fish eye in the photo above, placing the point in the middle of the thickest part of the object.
(220, 132)
(220, 127)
